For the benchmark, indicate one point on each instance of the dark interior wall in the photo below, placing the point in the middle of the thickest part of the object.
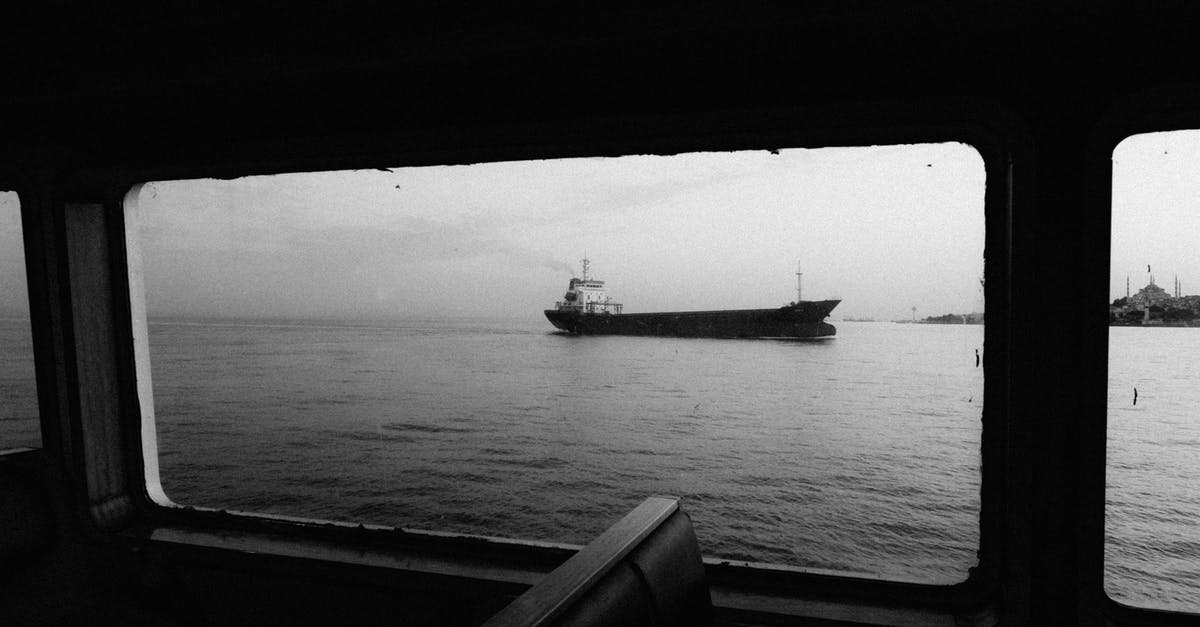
(48, 573)
(281, 86)
(54, 569)
(165, 85)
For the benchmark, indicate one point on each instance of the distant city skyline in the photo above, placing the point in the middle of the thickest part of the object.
(1134, 286)
(1156, 212)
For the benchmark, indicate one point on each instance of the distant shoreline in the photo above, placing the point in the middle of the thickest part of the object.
(957, 324)
(1158, 323)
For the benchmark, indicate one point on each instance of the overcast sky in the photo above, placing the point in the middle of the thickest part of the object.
(14, 300)
(883, 228)
(1156, 212)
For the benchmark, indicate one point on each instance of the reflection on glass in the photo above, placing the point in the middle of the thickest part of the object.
(19, 426)
(1153, 457)
(371, 346)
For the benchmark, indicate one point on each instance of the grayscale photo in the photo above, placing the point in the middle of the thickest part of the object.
(514, 349)
(1153, 435)
(696, 314)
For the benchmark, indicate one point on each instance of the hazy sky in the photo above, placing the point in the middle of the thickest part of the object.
(1156, 211)
(14, 299)
(884, 228)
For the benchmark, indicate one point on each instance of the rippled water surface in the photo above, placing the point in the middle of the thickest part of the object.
(858, 454)
(19, 426)
(1152, 541)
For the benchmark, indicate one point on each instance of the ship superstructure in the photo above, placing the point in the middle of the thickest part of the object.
(587, 295)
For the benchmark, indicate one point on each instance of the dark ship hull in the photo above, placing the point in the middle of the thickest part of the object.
(801, 320)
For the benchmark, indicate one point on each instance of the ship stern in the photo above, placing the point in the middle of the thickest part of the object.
(561, 320)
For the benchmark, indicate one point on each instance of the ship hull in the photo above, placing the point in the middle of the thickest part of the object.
(802, 320)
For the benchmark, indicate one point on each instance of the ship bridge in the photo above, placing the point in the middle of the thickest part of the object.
(588, 295)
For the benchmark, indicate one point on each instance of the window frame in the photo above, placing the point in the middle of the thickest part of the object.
(37, 264)
(1164, 109)
(137, 516)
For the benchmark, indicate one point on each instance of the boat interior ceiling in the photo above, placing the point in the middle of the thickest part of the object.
(96, 99)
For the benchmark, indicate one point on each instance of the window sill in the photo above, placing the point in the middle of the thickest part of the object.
(740, 606)
(508, 564)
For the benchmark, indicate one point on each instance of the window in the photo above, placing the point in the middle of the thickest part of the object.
(1152, 489)
(19, 427)
(312, 354)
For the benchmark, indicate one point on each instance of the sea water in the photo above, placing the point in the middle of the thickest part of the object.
(1152, 542)
(858, 454)
(19, 426)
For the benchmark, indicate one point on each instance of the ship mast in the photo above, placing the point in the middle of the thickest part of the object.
(799, 279)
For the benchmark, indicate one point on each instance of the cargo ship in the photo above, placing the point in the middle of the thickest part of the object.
(586, 309)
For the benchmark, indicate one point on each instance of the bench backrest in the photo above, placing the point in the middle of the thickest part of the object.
(644, 570)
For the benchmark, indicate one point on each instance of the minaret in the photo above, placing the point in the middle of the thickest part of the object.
(799, 279)
(1126, 286)
(585, 268)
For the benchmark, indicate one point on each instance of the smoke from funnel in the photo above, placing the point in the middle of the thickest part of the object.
(556, 265)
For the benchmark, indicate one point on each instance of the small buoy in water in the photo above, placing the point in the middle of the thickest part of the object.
(1135, 396)
(977, 358)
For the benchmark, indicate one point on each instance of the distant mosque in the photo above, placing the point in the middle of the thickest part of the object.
(1151, 295)
(1170, 308)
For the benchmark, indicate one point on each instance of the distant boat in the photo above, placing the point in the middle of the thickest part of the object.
(586, 309)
